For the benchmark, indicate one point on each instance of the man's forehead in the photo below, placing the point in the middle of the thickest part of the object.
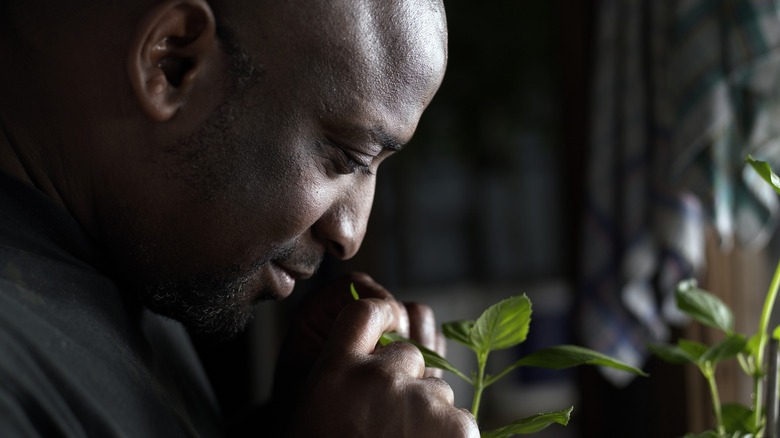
(394, 43)
(342, 53)
(370, 28)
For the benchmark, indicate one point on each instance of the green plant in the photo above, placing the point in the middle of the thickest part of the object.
(733, 419)
(505, 325)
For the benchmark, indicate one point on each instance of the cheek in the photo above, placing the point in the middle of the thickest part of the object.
(279, 187)
(286, 199)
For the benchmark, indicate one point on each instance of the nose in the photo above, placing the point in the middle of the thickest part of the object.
(343, 226)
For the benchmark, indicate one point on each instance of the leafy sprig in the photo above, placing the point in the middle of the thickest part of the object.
(505, 325)
(732, 419)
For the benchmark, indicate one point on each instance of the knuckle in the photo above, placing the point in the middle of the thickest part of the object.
(420, 311)
(382, 378)
(367, 310)
(357, 277)
(432, 393)
(462, 424)
(366, 286)
(404, 355)
(443, 389)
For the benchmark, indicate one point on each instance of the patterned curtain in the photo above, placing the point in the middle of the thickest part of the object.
(682, 91)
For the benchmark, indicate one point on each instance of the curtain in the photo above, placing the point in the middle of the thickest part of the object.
(681, 92)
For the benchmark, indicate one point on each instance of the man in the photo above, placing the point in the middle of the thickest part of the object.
(194, 158)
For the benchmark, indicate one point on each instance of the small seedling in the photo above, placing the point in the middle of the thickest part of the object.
(505, 325)
(733, 419)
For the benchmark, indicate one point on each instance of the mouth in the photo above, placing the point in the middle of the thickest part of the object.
(283, 278)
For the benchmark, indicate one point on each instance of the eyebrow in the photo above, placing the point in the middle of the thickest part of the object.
(386, 140)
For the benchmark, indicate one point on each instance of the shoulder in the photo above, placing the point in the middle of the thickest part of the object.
(69, 371)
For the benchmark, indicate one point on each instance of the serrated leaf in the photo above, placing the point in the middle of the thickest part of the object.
(503, 325)
(703, 306)
(531, 424)
(432, 358)
(693, 348)
(458, 331)
(671, 353)
(724, 349)
(763, 169)
(566, 356)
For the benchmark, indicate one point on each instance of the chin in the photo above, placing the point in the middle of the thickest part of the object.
(224, 319)
(215, 305)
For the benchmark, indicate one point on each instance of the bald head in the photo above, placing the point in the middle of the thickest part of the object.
(380, 45)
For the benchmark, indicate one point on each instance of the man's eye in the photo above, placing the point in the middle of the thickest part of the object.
(349, 165)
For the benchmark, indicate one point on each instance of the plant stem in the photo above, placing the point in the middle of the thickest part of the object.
(491, 380)
(757, 396)
(766, 312)
(709, 373)
(479, 385)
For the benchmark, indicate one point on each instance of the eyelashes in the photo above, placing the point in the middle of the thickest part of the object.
(349, 165)
(342, 161)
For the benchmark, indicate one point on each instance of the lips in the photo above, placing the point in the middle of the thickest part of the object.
(283, 278)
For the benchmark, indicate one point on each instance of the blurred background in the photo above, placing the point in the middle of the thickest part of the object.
(588, 154)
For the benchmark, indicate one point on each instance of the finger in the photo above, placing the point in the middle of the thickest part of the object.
(422, 328)
(441, 344)
(422, 324)
(441, 349)
(321, 308)
(441, 388)
(359, 326)
(468, 423)
(439, 398)
(328, 302)
(366, 287)
(400, 357)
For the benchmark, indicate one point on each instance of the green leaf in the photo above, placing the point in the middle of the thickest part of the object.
(737, 418)
(565, 356)
(704, 306)
(353, 291)
(693, 348)
(751, 348)
(385, 339)
(765, 171)
(459, 331)
(432, 358)
(724, 349)
(776, 333)
(671, 353)
(503, 325)
(531, 424)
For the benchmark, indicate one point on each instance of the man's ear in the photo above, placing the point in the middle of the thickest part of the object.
(172, 47)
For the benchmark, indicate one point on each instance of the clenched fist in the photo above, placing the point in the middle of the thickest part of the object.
(334, 380)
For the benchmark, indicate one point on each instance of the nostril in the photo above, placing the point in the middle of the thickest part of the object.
(337, 249)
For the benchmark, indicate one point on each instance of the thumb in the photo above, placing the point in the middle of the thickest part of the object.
(359, 326)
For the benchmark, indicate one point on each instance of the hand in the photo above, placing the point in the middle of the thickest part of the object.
(339, 384)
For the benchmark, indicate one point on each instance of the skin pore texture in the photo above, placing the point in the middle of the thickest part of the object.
(245, 143)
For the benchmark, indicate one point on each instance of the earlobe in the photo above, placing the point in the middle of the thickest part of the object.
(173, 44)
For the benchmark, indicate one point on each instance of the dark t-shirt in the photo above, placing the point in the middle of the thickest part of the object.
(76, 358)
